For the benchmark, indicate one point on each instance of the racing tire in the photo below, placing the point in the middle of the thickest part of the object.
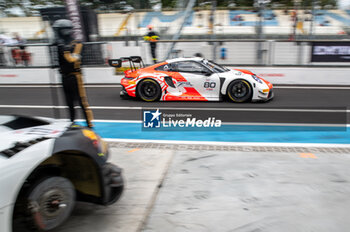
(239, 91)
(149, 90)
(51, 202)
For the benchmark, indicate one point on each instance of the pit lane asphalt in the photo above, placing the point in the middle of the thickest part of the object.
(290, 105)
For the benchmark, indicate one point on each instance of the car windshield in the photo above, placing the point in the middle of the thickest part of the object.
(215, 66)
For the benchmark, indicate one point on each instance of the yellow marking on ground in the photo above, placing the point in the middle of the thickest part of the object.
(133, 150)
(307, 155)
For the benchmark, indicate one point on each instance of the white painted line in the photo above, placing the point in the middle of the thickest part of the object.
(238, 124)
(284, 124)
(219, 109)
(119, 85)
(235, 123)
(229, 143)
(182, 108)
(32, 107)
(114, 121)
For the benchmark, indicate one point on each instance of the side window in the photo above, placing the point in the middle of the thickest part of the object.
(165, 67)
(190, 66)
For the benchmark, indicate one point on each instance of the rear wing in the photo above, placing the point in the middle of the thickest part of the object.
(135, 62)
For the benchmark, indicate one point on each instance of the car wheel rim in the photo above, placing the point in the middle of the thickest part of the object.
(149, 90)
(53, 203)
(239, 90)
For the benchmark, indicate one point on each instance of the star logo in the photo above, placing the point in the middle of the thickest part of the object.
(151, 118)
(156, 115)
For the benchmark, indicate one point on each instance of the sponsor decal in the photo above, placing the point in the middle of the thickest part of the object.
(90, 134)
(153, 119)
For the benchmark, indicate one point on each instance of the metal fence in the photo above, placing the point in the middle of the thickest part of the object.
(38, 55)
(227, 52)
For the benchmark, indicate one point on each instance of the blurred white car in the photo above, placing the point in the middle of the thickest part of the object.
(45, 166)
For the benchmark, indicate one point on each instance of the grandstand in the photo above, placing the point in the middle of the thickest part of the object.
(227, 22)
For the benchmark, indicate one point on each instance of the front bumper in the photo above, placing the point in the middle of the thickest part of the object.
(265, 97)
(124, 94)
(271, 95)
(113, 183)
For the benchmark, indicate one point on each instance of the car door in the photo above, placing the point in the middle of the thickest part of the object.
(200, 81)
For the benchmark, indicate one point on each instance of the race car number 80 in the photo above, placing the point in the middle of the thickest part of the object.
(209, 84)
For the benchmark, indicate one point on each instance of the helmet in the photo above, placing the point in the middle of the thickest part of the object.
(62, 23)
(150, 27)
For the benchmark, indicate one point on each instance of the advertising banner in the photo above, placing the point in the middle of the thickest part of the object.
(330, 52)
(73, 12)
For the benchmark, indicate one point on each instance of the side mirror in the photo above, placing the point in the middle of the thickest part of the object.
(116, 63)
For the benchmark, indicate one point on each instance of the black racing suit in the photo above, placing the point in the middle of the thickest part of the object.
(73, 87)
(152, 37)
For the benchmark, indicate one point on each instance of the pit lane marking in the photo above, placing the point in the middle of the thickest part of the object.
(133, 150)
(181, 108)
(307, 155)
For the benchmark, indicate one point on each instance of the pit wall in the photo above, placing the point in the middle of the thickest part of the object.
(105, 75)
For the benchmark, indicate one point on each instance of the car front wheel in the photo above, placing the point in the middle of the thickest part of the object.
(239, 91)
(51, 202)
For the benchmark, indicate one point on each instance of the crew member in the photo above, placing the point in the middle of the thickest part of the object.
(69, 60)
(152, 38)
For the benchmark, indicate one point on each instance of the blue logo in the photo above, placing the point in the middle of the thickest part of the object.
(151, 118)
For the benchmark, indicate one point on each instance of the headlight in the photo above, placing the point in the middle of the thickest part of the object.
(257, 79)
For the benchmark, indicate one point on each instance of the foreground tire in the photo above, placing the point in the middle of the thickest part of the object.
(149, 90)
(51, 202)
(239, 91)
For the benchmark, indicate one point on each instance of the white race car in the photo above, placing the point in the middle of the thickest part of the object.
(190, 79)
(45, 166)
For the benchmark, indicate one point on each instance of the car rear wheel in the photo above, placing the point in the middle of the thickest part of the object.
(148, 90)
(239, 91)
(51, 202)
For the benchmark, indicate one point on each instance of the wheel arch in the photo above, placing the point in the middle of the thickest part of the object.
(74, 165)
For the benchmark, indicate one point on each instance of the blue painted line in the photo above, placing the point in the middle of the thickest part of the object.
(229, 133)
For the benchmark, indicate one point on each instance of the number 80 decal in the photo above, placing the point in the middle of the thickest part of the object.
(209, 85)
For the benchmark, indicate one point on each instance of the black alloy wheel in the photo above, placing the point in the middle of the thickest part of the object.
(239, 91)
(148, 90)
